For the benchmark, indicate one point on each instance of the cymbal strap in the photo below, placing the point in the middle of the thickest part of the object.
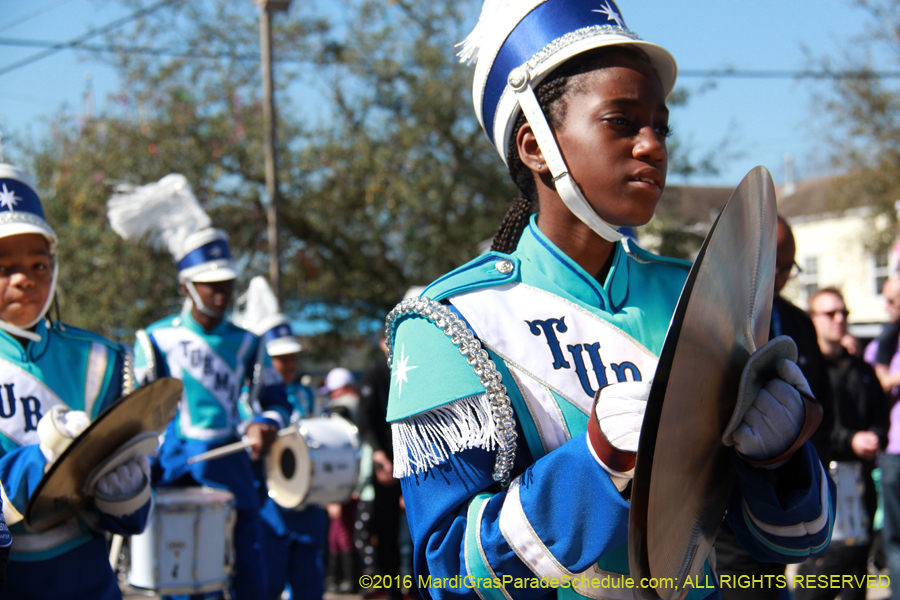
(615, 459)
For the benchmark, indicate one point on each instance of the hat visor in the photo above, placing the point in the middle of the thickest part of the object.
(210, 272)
(283, 346)
(20, 228)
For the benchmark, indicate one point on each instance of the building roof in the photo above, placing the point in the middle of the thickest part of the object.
(809, 199)
(687, 204)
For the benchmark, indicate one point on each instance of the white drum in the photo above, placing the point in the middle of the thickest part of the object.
(851, 520)
(187, 546)
(318, 464)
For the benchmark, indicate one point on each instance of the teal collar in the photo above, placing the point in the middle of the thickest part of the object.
(542, 259)
(187, 320)
(11, 348)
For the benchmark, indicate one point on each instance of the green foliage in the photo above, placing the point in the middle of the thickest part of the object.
(865, 113)
(385, 176)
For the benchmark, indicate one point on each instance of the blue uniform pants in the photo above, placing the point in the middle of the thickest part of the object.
(80, 573)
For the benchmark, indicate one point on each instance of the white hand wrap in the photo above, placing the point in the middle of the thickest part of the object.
(58, 428)
(773, 422)
(618, 414)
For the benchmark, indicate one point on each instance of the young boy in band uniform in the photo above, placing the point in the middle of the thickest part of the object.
(56, 379)
(574, 103)
(213, 357)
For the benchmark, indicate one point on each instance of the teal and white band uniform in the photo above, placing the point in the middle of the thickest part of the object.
(214, 367)
(555, 335)
(77, 370)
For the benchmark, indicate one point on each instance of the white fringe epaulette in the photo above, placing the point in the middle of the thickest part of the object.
(430, 438)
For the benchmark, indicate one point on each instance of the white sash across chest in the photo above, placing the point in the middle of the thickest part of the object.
(187, 352)
(24, 399)
(549, 343)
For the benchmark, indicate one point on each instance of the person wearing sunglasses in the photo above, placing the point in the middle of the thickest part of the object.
(860, 431)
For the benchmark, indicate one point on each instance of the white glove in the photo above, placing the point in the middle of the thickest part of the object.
(58, 428)
(618, 416)
(771, 425)
(126, 480)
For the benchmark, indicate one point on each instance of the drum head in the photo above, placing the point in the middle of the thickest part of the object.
(192, 496)
(60, 494)
(288, 469)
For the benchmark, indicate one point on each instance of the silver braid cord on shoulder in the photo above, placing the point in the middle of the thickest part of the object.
(460, 334)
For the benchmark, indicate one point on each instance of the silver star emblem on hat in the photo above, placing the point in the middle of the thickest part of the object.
(610, 13)
(8, 198)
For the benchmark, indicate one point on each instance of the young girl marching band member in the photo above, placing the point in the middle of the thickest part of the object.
(574, 103)
(56, 379)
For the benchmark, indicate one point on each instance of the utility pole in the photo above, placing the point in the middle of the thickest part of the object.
(267, 7)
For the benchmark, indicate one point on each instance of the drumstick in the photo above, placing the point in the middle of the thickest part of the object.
(234, 448)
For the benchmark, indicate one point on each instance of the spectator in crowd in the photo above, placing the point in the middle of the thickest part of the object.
(860, 430)
(884, 355)
(343, 566)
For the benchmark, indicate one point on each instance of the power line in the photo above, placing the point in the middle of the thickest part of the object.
(254, 57)
(82, 38)
(36, 13)
(106, 48)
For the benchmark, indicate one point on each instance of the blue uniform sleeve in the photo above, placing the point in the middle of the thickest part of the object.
(557, 518)
(783, 515)
(21, 470)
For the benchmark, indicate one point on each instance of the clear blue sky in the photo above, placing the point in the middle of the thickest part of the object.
(765, 118)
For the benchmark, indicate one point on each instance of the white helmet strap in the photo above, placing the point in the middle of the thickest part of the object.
(568, 190)
(198, 303)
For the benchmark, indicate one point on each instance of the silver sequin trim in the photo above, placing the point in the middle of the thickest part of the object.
(559, 43)
(460, 334)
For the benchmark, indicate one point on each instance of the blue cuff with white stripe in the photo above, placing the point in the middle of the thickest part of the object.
(784, 523)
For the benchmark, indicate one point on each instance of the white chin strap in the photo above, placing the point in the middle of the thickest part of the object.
(520, 82)
(198, 303)
(25, 331)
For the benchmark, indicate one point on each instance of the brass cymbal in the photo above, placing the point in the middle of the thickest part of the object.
(59, 495)
(683, 475)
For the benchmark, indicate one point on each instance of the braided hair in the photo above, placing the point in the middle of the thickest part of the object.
(552, 95)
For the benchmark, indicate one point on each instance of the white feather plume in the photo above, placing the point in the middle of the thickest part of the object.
(256, 306)
(495, 14)
(166, 211)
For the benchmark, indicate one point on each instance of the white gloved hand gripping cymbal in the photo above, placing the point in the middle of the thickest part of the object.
(775, 413)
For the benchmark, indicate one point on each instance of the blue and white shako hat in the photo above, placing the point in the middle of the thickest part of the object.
(21, 212)
(20, 207)
(257, 310)
(516, 44)
(206, 257)
(278, 337)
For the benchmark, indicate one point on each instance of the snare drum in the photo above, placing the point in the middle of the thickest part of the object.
(318, 464)
(187, 546)
(851, 520)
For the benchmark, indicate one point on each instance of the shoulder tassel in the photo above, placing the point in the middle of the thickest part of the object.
(428, 439)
